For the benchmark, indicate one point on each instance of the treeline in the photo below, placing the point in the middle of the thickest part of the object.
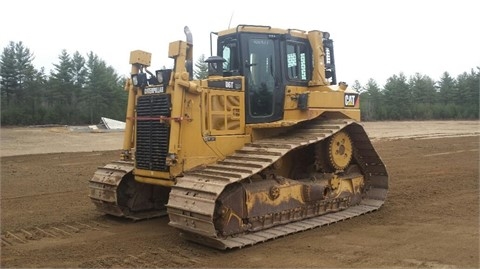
(79, 90)
(421, 98)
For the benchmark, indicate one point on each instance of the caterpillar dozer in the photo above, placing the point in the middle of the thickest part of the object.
(267, 145)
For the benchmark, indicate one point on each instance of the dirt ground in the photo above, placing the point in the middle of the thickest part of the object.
(430, 218)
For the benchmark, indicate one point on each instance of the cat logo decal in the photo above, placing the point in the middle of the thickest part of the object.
(350, 99)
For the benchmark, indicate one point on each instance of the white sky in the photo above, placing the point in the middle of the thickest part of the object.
(373, 39)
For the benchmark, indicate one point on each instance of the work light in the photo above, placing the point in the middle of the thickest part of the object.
(139, 80)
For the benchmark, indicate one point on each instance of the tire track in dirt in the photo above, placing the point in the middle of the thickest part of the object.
(54, 231)
(430, 219)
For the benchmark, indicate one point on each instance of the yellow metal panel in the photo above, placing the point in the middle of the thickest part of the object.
(140, 57)
(291, 96)
(332, 99)
(207, 152)
(128, 138)
(301, 115)
(151, 174)
(175, 48)
(225, 112)
(264, 29)
(154, 181)
(284, 194)
(318, 74)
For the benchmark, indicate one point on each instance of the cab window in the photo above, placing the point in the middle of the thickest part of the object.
(230, 54)
(297, 61)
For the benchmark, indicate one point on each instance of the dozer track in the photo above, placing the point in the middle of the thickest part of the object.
(114, 191)
(194, 199)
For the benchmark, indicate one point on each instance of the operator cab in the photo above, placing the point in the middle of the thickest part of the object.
(269, 60)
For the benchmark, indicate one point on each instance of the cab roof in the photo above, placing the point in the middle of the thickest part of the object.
(263, 29)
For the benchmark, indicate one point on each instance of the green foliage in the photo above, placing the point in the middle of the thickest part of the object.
(77, 91)
(421, 98)
(423, 89)
(20, 85)
(447, 90)
(201, 68)
(80, 90)
(398, 98)
(371, 100)
(9, 74)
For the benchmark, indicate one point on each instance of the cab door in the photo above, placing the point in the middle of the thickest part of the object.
(264, 86)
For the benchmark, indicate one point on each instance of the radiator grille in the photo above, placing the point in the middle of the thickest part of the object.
(152, 135)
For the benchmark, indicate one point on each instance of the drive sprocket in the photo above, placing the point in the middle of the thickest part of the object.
(340, 150)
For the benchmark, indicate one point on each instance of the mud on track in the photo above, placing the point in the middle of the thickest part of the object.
(430, 219)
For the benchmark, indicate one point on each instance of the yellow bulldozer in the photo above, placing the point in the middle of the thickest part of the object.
(269, 144)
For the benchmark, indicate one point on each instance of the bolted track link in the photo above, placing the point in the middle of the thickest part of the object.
(104, 191)
(191, 204)
(249, 239)
(103, 186)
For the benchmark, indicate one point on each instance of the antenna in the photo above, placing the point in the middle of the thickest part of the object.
(230, 22)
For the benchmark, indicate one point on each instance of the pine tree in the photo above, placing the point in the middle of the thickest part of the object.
(103, 94)
(424, 95)
(35, 100)
(423, 89)
(8, 74)
(371, 101)
(469, 90)
(201, 68)
(447, 89)
(17, 74)
(79, 70)
(60, 90)
(398, 98)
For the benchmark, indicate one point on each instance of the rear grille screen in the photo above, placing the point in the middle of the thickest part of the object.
(152, 135)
